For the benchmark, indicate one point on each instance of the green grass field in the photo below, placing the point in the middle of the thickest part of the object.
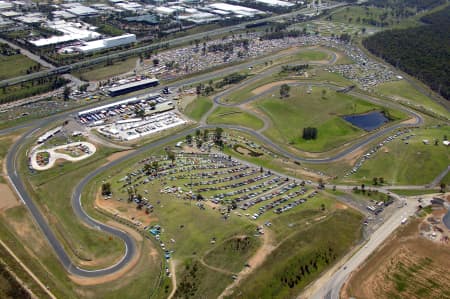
(301, 258)
(365, 16)
(289, 117)
(311, 55)
(15, 65)
(235, 116)
(406, 92)
(409, 164)
(198, 107)
(97, 73)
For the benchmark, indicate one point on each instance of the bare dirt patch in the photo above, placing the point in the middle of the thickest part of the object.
(407, 266)
(268, 86)
(124, 210)
(255, 261)
(341, 206)
(7, 198)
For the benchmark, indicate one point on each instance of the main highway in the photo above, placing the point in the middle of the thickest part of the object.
(14, 156)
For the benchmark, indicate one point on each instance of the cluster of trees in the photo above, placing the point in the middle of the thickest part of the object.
(6, 50)
(229, 46)
(33, 68)
(106, 189)
(378, 181)
(309, 133)
(231, 79)
(282, 34)
(31, 88)
(284, 91)
(294, 68)
(151, 168)
(301, 268)
(422, 52)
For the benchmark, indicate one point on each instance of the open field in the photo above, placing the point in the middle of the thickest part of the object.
(369, 16)
(414, 163)
(198, 107)
(107, 71)
(407, 266)
(404, 91)
(235, 116)
(321, 108)
(15, 65)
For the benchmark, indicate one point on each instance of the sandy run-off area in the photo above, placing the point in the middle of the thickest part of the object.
(56, 155)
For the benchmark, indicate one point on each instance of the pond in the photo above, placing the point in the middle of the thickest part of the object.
(367, 121)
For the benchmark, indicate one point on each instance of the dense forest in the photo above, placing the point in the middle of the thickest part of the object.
(423, 52)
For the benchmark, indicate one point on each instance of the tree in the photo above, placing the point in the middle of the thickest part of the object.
(170, 155)
(155, 167)
(218, 136)
(147, 168)
(66, 93)
(375, 181)
(381, 180)
(324, 93)
(140, 113)
(106, 189)
(205, 135)
(309, 133)
(443, 186)
(284, 91)
(155, 61)
(189, 139)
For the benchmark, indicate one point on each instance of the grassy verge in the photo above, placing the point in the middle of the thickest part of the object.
(412, 192)
(107, 71)
(198, 107)
(404, 91)
(235, 116)
(15, 65)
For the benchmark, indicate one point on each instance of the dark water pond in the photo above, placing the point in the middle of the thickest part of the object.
(368, 121)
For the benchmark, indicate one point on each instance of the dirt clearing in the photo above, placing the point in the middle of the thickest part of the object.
(407, 266)
(7, 198)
